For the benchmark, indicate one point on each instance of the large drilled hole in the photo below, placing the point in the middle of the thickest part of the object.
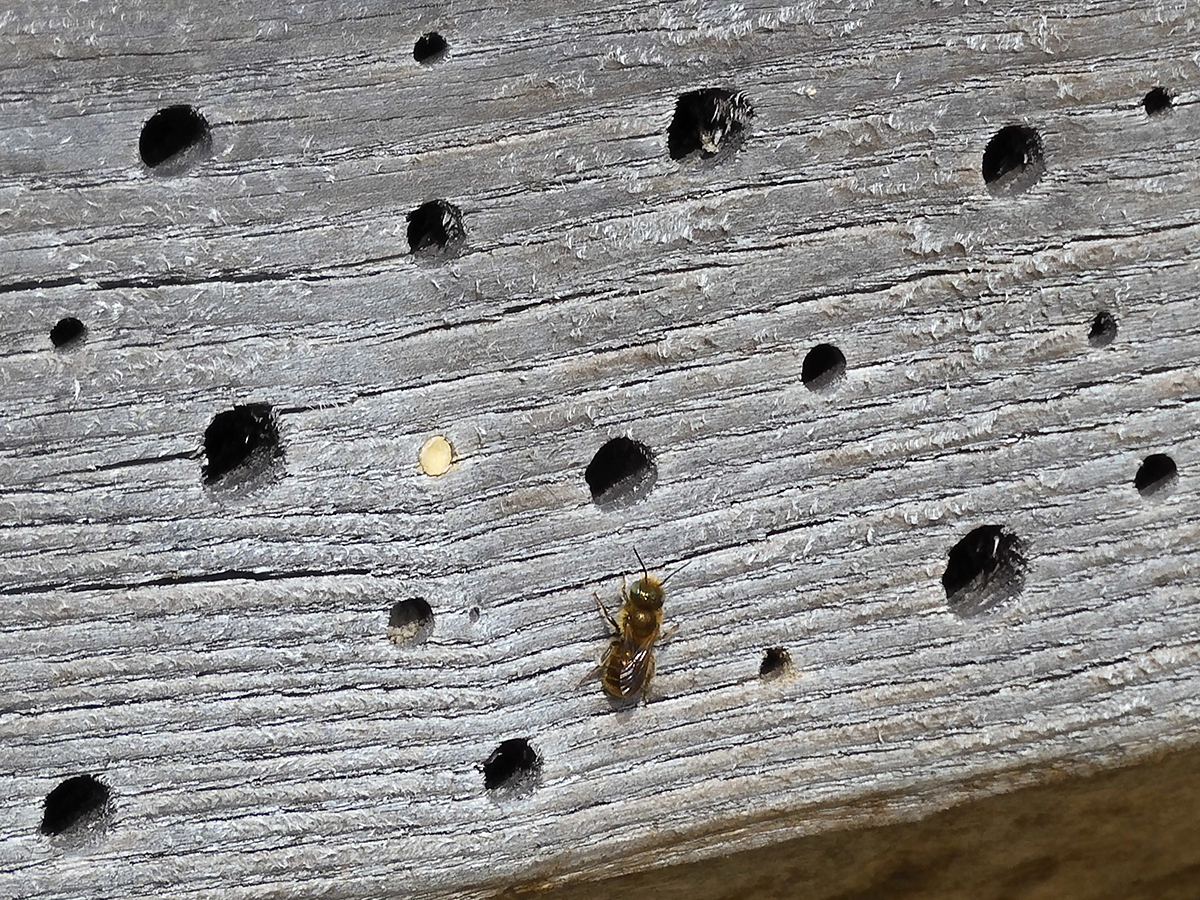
(1103, 331)
(174, 139)
(242, 445)
(985, 568)
(711, 122)
(824, 366)
(622, 472)
(67, 331)
(1156, 475)
(410, 621)
(514, 764)
(436, 229)
(430, 47)
(1157, 101)
(776, 663)
(78, 805)
(1013, 161)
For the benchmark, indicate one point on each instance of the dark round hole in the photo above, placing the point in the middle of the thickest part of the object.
(621, 473)
(776, 662)
(67, 331)
(78, 804)
(985, 568)
(410, 621)
(1013, 160)
(436, 228)
(513, 764)
(241, 444)
(1157, 101)
(174, 139)
(711, 122)
(430, 47)
(824, 366)
(473, 614)
(1156, 475)
(1103, 331)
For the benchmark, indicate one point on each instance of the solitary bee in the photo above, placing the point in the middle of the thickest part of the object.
(628, 663)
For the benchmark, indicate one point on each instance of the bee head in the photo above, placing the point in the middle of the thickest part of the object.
(646, 594)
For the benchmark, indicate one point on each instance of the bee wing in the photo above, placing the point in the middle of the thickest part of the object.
(636, 668)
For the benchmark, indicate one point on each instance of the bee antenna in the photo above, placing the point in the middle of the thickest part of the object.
(686, 563)
(639, 559)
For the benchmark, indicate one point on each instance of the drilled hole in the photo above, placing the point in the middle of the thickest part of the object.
(79, 805)
(776, 662)
(1157, 101)
(1103, 331)
(430, 47)
(1013, 161)
(710, 123)
(67, 331)
(621, 473)
(512, 765)
(241, 445)
(473, 614)
(174, 139)
(410, 621)
(436, 229)
(1156, 475)
(985, 568)
(824, 366)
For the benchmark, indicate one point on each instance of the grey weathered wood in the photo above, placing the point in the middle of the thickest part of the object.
(223, 663)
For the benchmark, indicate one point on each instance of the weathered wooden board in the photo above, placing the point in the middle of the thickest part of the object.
(220, 658)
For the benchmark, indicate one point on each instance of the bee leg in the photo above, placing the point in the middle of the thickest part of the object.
(612, 623)
(648, 691)
(668, 634)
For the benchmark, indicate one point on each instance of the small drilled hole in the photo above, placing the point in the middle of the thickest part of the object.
(824, 366)
(621, 473)
(67, 331)
(473, 614)
(242, 445)
(1156, 475)
(776, 662)
(985, 568)
(174, 139)
(77, 806)
(410, 621)
(711, 122)
(430, 47)
(436, 229)
(512, 765)
(1104, 330)
(1013, 161)
(1157, 101)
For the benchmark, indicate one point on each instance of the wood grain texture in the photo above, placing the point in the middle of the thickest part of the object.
(222, 661)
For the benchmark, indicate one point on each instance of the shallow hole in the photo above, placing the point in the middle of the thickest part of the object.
(986, 568)
(174, 139)
(711, 122)
(1103, 331)
(513, 764)
(1157, 101)
(78, 805)
(621, 473)
(436, 456)
(436, 229)
(776, 662)
(473, 614)
(1156, 475)
(410, 621)
(1013, 160)
(66, 331)
(242, 445)
(824, 366)
(430, 47)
